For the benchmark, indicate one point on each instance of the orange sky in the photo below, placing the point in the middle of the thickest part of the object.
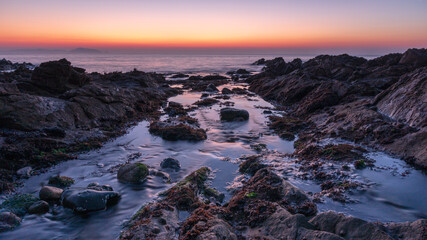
(191, 23)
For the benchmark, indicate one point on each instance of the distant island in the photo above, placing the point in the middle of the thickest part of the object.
(85, 50)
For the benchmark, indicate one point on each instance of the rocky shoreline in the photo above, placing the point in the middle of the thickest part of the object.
(56, 110)
(379, 103)
(48, 114)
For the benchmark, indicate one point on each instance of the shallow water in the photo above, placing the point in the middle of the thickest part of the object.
(391, 196)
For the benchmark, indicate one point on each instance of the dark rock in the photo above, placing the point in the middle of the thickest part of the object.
(242, 71)
(259, 62)
(88, 200)
(55, 132)
(232, 114)
(214, 77)
(211, 88)
(49, 193)
(8, 221)
(415, 57)
(177, 131)
(170, 163)
(133, 172)
(226, 91)
(179, 75)
(58, 75)
(39, 207)
(206, 102)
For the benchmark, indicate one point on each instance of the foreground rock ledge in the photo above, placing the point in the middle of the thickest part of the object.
(267, 207)
(58, 109)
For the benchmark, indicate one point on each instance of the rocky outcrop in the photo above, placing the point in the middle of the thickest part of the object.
(57, 109)
(379, 103)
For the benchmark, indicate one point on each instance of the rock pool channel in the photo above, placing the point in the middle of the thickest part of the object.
(393, 190)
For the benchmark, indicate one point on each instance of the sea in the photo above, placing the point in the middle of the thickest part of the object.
(160, 63)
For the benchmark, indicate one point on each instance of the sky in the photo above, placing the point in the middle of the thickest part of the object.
(290, 24)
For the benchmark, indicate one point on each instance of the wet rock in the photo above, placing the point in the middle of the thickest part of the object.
(251, 165)
(211, 88)
(232, 114)
(287, 136)
(49, 193)
(214, 77)
(98, 187)
(348, 227)
(177, 131)
(226, 91)
(133, 172)
(408, 230)
(242, 71)
(171, 163)
(61, 181)
(175, 109)
(206, 102)
(24, 172)
(39, 207)
(8, 221)
(18, 204)
(58, 75)
(88, 200)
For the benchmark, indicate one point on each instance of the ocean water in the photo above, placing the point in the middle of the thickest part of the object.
(161, 63)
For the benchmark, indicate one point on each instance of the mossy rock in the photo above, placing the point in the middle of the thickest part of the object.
(133, 172)
(19, 203)
(61, 181)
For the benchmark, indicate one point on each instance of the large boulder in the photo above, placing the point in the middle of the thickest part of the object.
(39, 207)
(174, 131)
(88, 200)
(58, 76)
(133, 172)
(232, 114)
(170, 163)
(415, 57)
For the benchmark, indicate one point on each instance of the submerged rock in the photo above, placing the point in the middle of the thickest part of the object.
(170, 163)
(88, 200)
(18, 204)
(8, 221)
(232, 114)
(206, 102)
(49, 193)
(133, 172)
(39, 207)
(98, 187)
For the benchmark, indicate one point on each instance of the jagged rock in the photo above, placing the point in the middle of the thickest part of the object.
(133, 172)
(232, 114)
(211, 88)
(58, 75)
(226, 91)
(25, 172)
(88, 200)
(49, 193)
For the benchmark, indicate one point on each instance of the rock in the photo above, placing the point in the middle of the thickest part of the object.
(18, 204)
(348, 227)
(60, 181)
(55, 132)
(226, 91)
(206, 102)
(49, 193)
(98, 187)
(179, 75)
(242, 71)
(416, 57)
(8, 221)
(165, 176)
(259, 62)
(24, 172)
(39, 207)
(88, 200)
(170, 163)
(211, 88)
(175, 131)
(214, 77)
(232, 114)
(408, 230)
(58, 75)
(133, 172)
